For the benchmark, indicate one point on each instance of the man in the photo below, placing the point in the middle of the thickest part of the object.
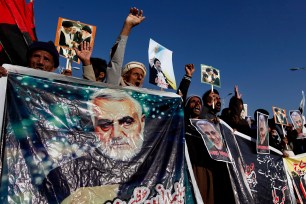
(262, 134)
(65, 38)
(133, 74)
(297, 120)
(284, 116)
(212, 105)
(212, 134)
(115, 74)
(207, 75)
(86, 33)
(232, 114)
(216, 78)
(218, 149)
(118, 123)
(99, 66)
(279, 119)
(263, 129)
(299, 144)
(75, 35)
(157, 76)
(44, 56)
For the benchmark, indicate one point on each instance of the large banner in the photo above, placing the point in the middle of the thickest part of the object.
(254, 178)
(265, 173)
(67, 140)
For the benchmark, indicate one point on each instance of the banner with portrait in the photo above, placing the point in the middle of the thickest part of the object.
(265, 173)
(254, 178)
(68, 140)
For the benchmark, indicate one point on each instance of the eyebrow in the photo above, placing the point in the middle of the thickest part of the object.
(104, 122)
(121, 121)
(126, 119)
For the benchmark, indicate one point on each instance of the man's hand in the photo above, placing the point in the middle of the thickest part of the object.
(189, 69)
(237, 94)
(3, 72)
(85, 53)
(134, 18)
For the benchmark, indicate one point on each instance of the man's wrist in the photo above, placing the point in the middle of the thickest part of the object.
(86, 62)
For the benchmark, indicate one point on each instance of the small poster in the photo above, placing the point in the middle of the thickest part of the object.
(262, 144)
(161, 67)
(298, 122)
(213, 139)
(280, 116)
(70, 34)
(210, 75)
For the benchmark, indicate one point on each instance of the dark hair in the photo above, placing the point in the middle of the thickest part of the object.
(215, 72)
(99, 65)
(87, 28)
(206, 94)
(155, 60)
(234, 101)
(261, 111)
(67, 24)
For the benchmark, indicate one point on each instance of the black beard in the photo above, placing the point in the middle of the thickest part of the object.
(214, 110)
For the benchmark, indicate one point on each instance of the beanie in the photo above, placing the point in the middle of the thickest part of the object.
(46, 46)
(188, 99)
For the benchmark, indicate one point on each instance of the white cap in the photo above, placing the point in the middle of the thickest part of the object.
(132, 65)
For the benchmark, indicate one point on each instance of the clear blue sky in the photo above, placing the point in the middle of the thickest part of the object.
(252, 42)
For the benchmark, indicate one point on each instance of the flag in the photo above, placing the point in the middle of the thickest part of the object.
(17, 30)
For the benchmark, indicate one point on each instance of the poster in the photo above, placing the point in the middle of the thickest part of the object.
(210, 75)
(161, 67)
(69, 35)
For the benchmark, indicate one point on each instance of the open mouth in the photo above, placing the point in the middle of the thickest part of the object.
(197, 109)
(137, 84)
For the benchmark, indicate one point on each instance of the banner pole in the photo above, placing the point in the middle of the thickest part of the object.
(213, 102)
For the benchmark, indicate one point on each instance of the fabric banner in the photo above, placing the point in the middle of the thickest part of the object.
(255, 178)
(68, 140)
(265, 173)
(296, 168)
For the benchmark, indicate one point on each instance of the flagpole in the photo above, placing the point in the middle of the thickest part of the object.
(213, 102)
(69, 64)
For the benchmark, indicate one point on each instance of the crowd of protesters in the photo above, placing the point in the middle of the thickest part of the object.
(285, 138)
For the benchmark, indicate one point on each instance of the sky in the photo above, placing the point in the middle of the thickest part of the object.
(253, 43)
